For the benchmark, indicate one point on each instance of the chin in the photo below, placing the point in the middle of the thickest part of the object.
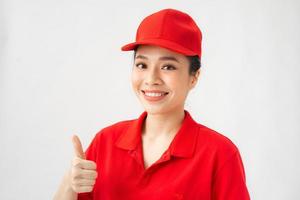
(155, 110)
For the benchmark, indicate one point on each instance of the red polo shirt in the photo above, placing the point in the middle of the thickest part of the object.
(199, 164)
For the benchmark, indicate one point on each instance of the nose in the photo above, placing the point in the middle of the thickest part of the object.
(153, 77)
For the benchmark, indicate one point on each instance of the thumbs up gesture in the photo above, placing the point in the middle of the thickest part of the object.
(83, 172)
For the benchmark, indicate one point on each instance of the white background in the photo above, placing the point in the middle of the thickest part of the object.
(62, 72)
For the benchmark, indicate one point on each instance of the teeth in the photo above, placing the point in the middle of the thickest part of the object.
(154, 94)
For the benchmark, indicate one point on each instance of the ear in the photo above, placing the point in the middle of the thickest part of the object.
(195, 79)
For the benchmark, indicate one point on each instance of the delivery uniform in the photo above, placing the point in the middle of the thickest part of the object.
(199, 164)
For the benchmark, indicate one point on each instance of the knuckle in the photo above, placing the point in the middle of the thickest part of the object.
(77, 162)
(93, 174)
(90, 165)
(89, 188)
(76, 174)
(90, 182)
(96, 174)
(94, 165)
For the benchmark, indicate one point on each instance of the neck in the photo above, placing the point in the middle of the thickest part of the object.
(160, 124)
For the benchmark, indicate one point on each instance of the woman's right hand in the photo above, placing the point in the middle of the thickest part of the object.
(83, 172)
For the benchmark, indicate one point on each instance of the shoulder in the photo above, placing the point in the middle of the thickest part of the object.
(216, 148)
(208, 139)
(105, 137)
(215, 142)
(113, 131)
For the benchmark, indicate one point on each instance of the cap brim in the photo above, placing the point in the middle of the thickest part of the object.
(162, 43)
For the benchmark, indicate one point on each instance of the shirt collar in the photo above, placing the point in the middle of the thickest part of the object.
(183, 144)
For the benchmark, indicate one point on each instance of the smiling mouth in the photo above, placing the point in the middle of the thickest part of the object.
(155, 94)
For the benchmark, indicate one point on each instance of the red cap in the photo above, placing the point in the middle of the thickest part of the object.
(171, 29)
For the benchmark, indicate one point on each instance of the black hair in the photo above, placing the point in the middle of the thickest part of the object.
(195, 63)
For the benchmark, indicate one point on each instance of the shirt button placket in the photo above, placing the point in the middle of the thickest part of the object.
(134, 155)
(144, 179)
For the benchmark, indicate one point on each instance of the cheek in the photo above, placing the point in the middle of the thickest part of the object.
(135, 80)
(178, 84)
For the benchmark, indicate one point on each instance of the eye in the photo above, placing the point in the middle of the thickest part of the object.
(140, 65)
(169, 67)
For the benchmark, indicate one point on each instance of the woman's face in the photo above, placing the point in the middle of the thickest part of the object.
(160, 79)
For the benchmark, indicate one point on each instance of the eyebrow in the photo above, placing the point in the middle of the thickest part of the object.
(161, 58)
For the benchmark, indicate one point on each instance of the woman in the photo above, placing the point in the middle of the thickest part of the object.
(164, 153)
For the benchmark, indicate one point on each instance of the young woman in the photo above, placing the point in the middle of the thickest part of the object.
(164, 153)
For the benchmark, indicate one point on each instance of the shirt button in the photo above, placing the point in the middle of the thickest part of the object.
(166, 155)
(132, 153)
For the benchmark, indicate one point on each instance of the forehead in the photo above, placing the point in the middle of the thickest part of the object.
(157, 51)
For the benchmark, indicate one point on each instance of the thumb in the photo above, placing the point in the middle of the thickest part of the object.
(78, 147)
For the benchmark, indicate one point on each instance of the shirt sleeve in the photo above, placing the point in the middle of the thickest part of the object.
(230, 181)
(91, 154)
